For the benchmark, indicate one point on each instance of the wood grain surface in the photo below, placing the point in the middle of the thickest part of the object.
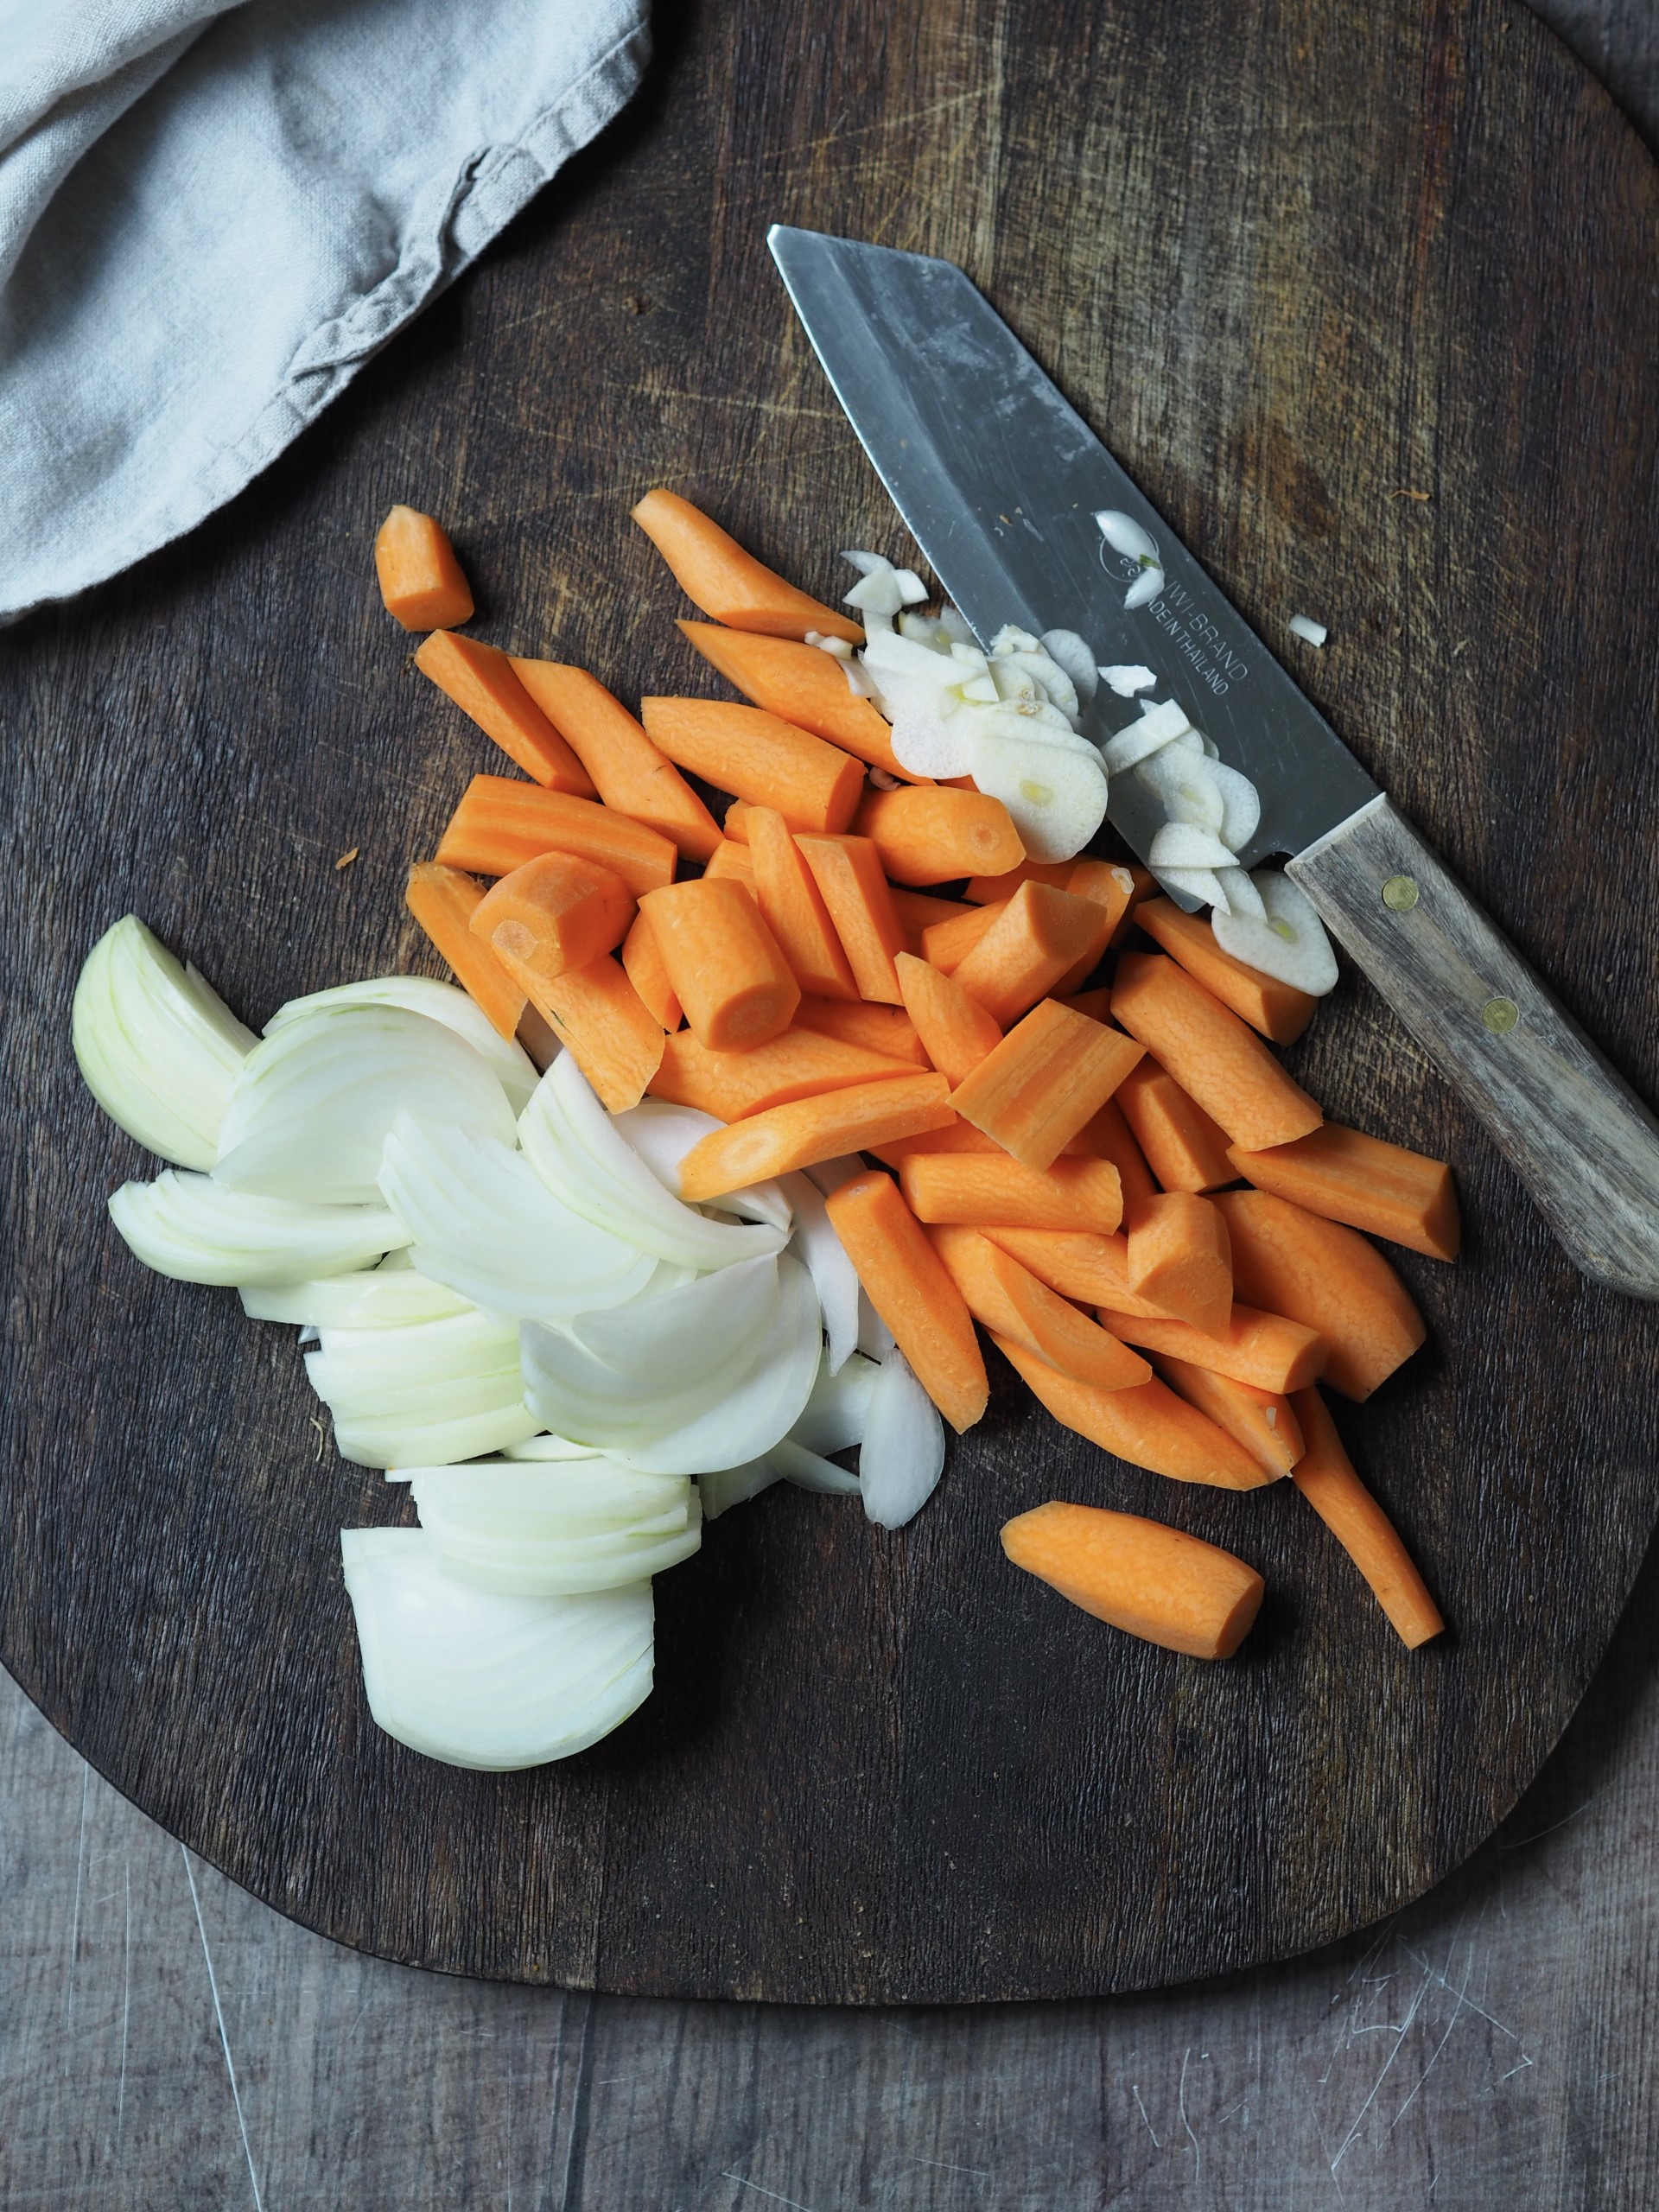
(1289, 274)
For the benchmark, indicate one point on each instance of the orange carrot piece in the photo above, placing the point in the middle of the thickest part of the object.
(443, 901)
(1348, 1177)
(1262, 1349)
(557, 911)
(956, 1033)
(1094, 1267)
(628, 771)
(718, 576)
(501, 824)
(1263, 1421)
(480, 678)
(962, 1136)
(733, 862)
(726, 969)
(1180, 1258)
(422, 585)
(1097, 1005)
(1213, 1056)
(907, 1282)
(787, 894)
(1041, 1083)
(848, 872)
(928, 835)
(995, 890)
(1328, 1278)
(1108, 1135)
(946, 944)
(612, 1034)
(918, 912)
(1182, 1145)
(1278, 1010)
(764, 759)
(887, 1030)
(976, 1191)
(733, 1085)
(1140, 1576)
(643, 963)
(1146, 887)
(1325, 1476)
(1011, 1302)
(1148, 1425)
(809, 1130)
(1035, 938)
(1110, 888)
(805, 686)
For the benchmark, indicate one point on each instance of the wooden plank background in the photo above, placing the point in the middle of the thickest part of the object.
(165, 2040)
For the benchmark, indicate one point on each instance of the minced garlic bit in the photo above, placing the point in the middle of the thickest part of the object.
(1304, 625)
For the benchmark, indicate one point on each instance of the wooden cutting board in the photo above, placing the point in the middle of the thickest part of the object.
(1297, 262)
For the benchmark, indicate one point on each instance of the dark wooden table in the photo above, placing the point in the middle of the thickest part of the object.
(165, 2040)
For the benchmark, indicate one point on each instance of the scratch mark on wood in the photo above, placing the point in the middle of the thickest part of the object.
(1198, 2155)
(223, 2037)
(74, 1925)
(126, 1998)
(743, 2182)
(1135, 2091)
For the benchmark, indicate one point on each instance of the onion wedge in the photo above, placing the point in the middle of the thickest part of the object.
(902, 1455)
(193, 1228)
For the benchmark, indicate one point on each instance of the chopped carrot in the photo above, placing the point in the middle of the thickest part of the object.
(956, 1033)
(1097, 1005)
(1179, 1258)
(1211, 1052)
(927, 835)
(1108, 887)
(613, 1035)
(809, 1130)
(962, 1136)
(1325, 1476)
(716, 574)
(918, 912)
(885, 1029)
(1094, 1267)
(976, 1191)
(442, 900)
(480, 678)
(501, 824)
(804, 685)
(1348, 1177)
(1035, 938)
(557, 911)
(907, 1282)
(733, 1085)
(1263, 1348)
(1010, 1300)
(1041, 1084)
(848, 872)
(1108, 1135)
(1183, 1146)
(1263, 1421)
(1146, 885)
(765, 759)
(734, 861)
(1278, 1010)
(421, 581)
(1150, 1580)
(994, 890)
(645, 971)
(946, 944)
(726, 969)
(735, 822)
(1148, 1425)
(1329, 1278)
(788, 895)
(628, 771)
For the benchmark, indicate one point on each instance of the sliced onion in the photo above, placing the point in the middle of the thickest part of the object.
(429, 1395)
(875, 1339)
(902, 1455)
(377, 1298)
(808, 1470)
(482, 1680)
(548, 1531)
(444, 1002)
(1290, 945)
(830, 1174)
(721, 1488)
(193, 1228)
(833, 1416)
(1057, 795)
(834, 1276)
(668, 1343)
(662, 1135)
(544, 1447)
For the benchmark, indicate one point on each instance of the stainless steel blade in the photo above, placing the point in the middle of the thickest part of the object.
(1000, 480)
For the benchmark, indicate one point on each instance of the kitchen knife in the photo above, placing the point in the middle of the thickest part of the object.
(999, 480)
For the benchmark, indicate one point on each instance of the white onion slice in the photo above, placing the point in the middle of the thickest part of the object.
(444, 1002)
(543, 1446)
(903, 1453)
(548, 1531)
(721, 1488)
(661, 1135)
(878, 592)
(482, 1680)
(875, 1339)
(1183, 844)
(912, 589)
(428, 1395)
(830, 1174)
(664, 1344)
(808, 1470)
(379, 1297)
(834, 1277)
(1187, 786)
(1290, 945)
(1126, 678)
(195, 1230)
(1057, 795)
(834, 1417)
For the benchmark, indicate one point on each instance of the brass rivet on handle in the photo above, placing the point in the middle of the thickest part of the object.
(1500, 1016)
(1400, 894)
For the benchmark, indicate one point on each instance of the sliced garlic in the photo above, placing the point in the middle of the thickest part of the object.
(1290, 945)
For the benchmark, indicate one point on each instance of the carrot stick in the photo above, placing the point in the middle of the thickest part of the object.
(787, 894)
(1107, 1134)
(1109, 887)
(848, 872)
(628, 771)
(887, 1030)
(442, 900)
(1278, 1010)
(907, 1282)
(1211, 1052)
(811, 1130)
(421, 581)
(1361, 1180)
(993, 890)
(481, 682)
(501, 824)
(726, 969)
(643, 963)
(1325, 1476)
(1097, 1005)
(962, 1136)
(557, 911)
(956, 1033)
(979, 1192)
(926, 834)
(1180, 1258)
(1329, 1278)
(1261, 1348)
(765, 759)
(1183, 1146)
(1034, 940)
(946, 944)
(716, 574)
(1011, 1301)
(1041, 1083)
(918, 912)
(1148, 1426)
(1150, 1580)
(1263, 1421)
(804, 685)
(1094, 1267)
(733, 1085)
(733, 862)
(613, 1035)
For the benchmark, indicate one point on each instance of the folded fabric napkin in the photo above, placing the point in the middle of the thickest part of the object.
(212, 214)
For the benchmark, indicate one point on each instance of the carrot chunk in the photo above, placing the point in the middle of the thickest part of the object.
(443, 902)
(557, 911)
(787, 894)
(1325, 1476)
(1107, 1134)
(809, 1130)
(1329, 1278)
(1094, 1267)
(726, 969)
(1278, 1010)
(643, 964)
(1040, 1083)
(1035, 938)
(956, 1033)
(1148, 1425)
(978, 1191)
(1096, 1004)
(946, 944)
(804, 685)
(733, 1085)
(1261, 1348)
(1263, 1421)
(628, 771)
(918, 912)
(733, 862)
(1211, 1052)
(501, 824)
(421, 581)
(718, 576)
(1109, 888)
(908, 1286)
(1351, 1178)
(995, 890)
(613, 1035)
(848, 872)
(1180, 1258)
(926, 834)
(481, 682)
(764, 759)
(1182, 1145)
(1011, 1301)
(1152, 1581)
(887, 1030)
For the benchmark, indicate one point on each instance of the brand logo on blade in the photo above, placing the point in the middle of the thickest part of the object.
(1194, 636)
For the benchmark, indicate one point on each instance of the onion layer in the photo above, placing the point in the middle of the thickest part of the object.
(193, 1228)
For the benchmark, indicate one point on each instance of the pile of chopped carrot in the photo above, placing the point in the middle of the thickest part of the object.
(1106, 1169)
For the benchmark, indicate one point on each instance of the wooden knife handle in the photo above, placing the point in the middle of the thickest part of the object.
(1576, 1134)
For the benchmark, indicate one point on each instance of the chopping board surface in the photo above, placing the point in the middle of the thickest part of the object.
(1294, 261)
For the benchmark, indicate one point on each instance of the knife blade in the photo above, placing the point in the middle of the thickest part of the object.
(999, 479)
